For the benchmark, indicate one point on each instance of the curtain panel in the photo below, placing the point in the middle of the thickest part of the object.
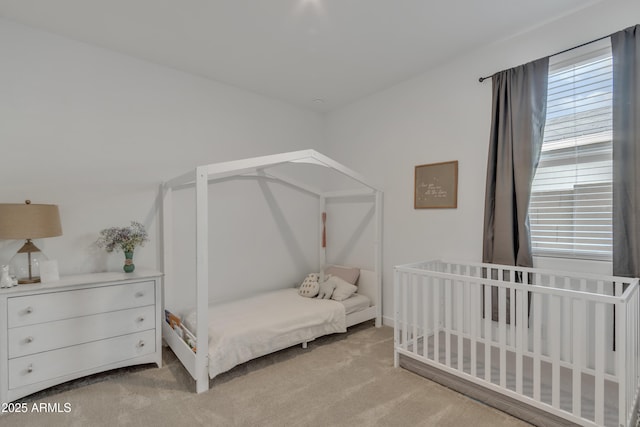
(625, 47)
(518, 117)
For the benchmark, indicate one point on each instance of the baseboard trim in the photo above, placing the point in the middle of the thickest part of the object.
(388, 321)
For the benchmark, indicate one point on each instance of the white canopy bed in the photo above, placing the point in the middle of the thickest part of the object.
(241, 330)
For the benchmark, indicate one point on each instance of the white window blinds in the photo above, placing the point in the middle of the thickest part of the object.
(570, 208)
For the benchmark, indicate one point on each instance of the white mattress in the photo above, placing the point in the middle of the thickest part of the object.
(355, 302)
(249, 328)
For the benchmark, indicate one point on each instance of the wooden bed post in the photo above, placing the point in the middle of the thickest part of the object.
(202, 279)
(166, 212)
(322, 254)
(377, 243)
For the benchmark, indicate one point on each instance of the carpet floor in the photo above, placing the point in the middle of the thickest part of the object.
(340, 380)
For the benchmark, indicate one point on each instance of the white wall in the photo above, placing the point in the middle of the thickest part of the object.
(96, 132)
(445, 115)
(262, 235)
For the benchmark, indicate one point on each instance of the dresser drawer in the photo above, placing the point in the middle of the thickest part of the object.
(32, 339)
(57, 363)
(40, 308)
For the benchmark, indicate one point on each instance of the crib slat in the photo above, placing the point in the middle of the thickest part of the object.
(617, 291)
(627, 316)
(537, 348)
(520, 338)
(512, 312)
(466, 296)
(566, 323)
(502, 315)
(405, 324)
(424, 286)
(447, 322)
(554, 341)
(432, 321)
(487, 331)
(414, 311)
(578, 337)
(474, 318)
(600, 349)
(466, 318)
(459, 291)
(435, 304)
(622, 355)
(396, 305)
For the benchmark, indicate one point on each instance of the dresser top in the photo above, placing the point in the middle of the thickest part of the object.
(82, 279)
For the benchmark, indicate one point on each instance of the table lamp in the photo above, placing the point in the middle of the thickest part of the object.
(28, 221)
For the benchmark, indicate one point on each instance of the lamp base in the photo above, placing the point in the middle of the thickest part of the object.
(25, 265)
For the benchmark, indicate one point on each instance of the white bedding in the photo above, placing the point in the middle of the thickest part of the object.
(355, 302)
(252, 327)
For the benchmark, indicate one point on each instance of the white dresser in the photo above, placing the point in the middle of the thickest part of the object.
(55, 332)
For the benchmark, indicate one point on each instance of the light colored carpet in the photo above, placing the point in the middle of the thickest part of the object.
(340, 380)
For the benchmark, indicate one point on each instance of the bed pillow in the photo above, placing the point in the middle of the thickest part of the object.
(348, 274)
(310, 286)
(342, 290)
(326, 289)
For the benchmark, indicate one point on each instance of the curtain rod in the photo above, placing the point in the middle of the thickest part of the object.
(481, 79)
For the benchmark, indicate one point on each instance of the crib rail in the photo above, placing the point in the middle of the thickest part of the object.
(561, 342)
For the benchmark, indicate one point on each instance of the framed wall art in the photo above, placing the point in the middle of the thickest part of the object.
(436, 186)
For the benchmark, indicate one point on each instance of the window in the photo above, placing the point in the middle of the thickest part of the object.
(570, 210)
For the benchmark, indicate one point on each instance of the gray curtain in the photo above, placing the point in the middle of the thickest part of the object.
(518, 118)
(517, 127)
(625, 46)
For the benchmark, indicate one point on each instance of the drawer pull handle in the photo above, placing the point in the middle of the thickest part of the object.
(141, 343)
(28, 310)
(29, 368)
(28, 339)
(141, 319)
(139, 294)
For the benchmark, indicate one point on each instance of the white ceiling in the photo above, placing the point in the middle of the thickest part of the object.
(318, 54)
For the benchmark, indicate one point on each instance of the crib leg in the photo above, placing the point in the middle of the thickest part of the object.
(304, 344)
(396, 359)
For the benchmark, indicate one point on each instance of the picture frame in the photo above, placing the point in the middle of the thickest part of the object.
(49, 271)
(436, 186)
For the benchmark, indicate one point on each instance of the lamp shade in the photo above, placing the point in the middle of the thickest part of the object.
(29, 221)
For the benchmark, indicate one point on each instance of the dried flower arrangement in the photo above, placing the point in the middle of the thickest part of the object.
(123, 238)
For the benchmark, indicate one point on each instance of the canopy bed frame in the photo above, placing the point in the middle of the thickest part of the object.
(196, 360)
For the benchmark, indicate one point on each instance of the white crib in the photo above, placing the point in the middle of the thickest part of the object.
(563, 344)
